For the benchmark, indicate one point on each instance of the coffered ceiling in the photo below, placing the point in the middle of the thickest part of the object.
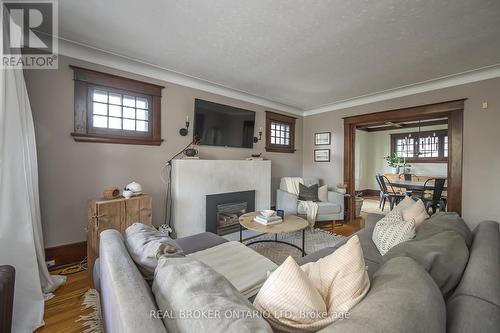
(302, 54)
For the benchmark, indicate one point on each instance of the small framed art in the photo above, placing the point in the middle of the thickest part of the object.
(322, 139)
(321, 155)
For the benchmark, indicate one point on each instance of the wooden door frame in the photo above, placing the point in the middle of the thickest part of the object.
(453, 110)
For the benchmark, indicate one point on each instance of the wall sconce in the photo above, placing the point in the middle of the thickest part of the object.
(257, 139)
(185, 131)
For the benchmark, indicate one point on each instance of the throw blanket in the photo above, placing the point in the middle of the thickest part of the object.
(310, 207)
(246, 269)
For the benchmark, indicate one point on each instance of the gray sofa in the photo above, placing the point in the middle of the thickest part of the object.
(333, 210)
(412, 289)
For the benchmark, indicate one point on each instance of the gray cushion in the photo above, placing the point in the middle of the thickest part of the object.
(323, 208)
(475, 304)
(372, 257)
(402, 298)
(452, 221)
(185, 285)
(199, 242)
(443, 253)
(144, 243)
(308, 193)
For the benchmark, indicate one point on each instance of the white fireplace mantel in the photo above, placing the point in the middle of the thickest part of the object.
(192, 180)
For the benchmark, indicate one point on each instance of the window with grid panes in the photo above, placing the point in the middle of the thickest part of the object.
(114, 109)
(280, 133)
(428, 146)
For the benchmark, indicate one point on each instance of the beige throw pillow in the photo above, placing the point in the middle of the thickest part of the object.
(311, 297)
(417, 212)
(341, 278)
(323, 193)
(406, 203)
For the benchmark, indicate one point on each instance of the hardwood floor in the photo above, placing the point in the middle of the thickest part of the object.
(342, 229)
(64, 308)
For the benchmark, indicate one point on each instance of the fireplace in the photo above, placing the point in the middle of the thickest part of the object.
(224, 210)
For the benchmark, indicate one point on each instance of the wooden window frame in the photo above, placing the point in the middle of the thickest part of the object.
(280, 118)
(423, 134)
(86, 81)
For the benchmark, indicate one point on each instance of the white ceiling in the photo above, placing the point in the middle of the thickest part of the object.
(300, 53)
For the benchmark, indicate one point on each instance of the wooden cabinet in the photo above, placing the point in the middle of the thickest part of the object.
(114, 214)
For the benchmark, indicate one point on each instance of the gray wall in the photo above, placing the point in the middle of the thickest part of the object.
(72, 172)
(481, 178)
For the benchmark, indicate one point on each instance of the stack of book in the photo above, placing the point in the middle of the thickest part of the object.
(268, 220)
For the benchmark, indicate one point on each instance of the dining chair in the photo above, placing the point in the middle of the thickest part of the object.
(393, 196)
(435, 200)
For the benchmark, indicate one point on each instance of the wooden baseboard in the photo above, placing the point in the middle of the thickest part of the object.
(66, 254)
(370, 193)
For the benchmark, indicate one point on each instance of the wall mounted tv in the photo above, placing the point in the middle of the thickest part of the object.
(222, 125)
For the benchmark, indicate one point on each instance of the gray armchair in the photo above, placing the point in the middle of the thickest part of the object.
(333, 210)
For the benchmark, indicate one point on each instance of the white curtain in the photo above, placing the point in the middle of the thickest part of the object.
(21, 240)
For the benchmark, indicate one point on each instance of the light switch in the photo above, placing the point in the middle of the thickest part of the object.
(484, 104)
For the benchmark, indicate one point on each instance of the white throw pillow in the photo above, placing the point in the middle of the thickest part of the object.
(341, 277)
(311, 297)
(417, 212)
(406, 203)
(145, 244)
(323, 193)
(392, 230)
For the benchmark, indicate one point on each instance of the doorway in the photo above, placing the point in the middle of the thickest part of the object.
(450, 112)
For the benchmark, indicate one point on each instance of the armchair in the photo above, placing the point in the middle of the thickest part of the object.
(333, 210)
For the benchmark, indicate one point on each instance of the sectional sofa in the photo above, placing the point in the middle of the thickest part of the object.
(444, 280)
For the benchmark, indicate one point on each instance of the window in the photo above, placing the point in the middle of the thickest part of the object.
(428, 146)
(114, 109)
(280, 133)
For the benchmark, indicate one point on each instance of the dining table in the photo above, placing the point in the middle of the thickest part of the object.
(412, 185)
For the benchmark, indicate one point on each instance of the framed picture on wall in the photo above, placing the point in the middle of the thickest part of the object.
(322, 139)
(321, 155)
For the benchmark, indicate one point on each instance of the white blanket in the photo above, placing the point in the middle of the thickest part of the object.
(243, 267)
(311, 208)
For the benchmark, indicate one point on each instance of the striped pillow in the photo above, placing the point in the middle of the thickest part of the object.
(311, 297)
(392, 230)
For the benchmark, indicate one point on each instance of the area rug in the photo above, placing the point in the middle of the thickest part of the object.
(372, 206)
(316, 240)
(92, 322)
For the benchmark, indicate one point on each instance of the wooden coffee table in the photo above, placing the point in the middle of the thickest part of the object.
(291, 223)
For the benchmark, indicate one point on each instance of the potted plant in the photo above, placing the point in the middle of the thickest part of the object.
(393, 161)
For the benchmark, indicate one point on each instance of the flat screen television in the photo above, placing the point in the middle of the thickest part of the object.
(222, 125)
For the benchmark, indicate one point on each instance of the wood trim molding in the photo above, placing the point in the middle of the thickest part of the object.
(452, 110)
(428, 111)
(83, 137)
(115, 81)
(67, 254)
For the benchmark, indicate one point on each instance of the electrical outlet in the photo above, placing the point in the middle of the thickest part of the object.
(50, 263)
(484, 104)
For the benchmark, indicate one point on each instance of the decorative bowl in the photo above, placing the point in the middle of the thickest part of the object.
(267, 212)
(127, 194)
